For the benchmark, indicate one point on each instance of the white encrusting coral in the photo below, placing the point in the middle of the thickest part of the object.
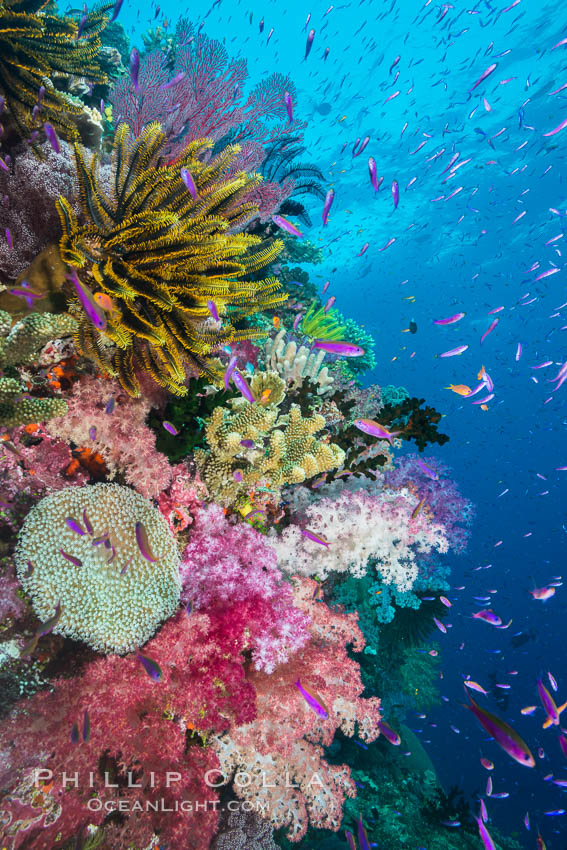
(110, 595)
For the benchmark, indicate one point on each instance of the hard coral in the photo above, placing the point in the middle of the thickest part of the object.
(35, 46)
(161, 255)
(295, 364)
(111, 595)
(284, 450)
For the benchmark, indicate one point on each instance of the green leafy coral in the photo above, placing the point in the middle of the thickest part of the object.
(35, 46)
(19, 347)
(278, 449)
(161, 254)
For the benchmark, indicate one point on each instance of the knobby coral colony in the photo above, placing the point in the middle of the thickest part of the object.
(36, 45)
(159, 253)
(210, 606)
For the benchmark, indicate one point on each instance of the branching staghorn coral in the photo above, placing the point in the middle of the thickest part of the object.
(283, 449)
(35, 46)
(295, 364)
(161, 254)
(20, 346)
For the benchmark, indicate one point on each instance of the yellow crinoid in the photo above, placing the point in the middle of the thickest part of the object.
(36, 45)
(161, 254)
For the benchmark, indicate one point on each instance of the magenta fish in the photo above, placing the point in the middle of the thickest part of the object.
(488, 616)
(143, 542)
(287, 225)
(363, 145)
(74, 526)
(455, 351)
(177, 79)
(314, 702)
(373, 174)
(229, 370)
(395, 193)
(314, 537)
(329, 198)
(485, 836)
(552, 710)
(289, 106)
(151, 667)
(450, 320)
(329, 304)
(309, 43)
(490, 329)
(484, 75)
(169, 426)
(428, 470)
(95, 313)
(297, 320)
(213, 310)
(52, 137)
(389, 733)
(243, 387)
(187, 178)
(71, 558)
(345, 349)
(134, 68)
(503, 734)
(369, 426)
(116, 10)
(363, 250)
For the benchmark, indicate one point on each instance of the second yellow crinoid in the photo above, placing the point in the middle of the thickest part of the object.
(160, 255)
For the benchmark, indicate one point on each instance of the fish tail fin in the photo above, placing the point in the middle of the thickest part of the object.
(547, 723)
(561, 708)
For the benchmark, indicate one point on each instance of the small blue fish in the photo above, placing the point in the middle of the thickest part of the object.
(151, 667)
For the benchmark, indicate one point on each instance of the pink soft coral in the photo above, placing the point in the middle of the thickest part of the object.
(182, 500)
(137, 726)
(122, 437)
(229, 568)
(280, 752)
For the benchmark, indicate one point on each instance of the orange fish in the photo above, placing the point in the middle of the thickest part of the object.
(484, 407)
(104, 301)
(265, 396)
(460, 389)
(417, 508)
(276, 321)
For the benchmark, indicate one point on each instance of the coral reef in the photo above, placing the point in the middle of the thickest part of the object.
(159, 253)
(295, 364)
(319, 324)
(284, 449)
(355, 528)
(20, 346)
(35, 47)
(81, 553)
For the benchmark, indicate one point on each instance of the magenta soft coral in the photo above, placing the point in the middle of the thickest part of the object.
(137, 727)
(281, 752)
(229, 570)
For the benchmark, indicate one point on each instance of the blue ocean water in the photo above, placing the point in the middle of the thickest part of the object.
(471, 253)
(474, 239)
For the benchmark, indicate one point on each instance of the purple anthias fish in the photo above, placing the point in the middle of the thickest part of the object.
(362, 836)
(243, 387)
(454, 351)
(395, 193)
(450, 320)
(552, 710)
(134, 68)
(329, 304)
(363, 250)
(485, 835)
(309, 43)
(187, 178)
(95, 313)
(116, 10)
(75, 526)
(229, 370)
(314, 537)
(143, 542)
(428, 471)
(52, 137)
(345, 349)
(213, 310)
(389, 733)
(490, 329)
(169, 426)
(488, 616)
(503, 734)
(177, 79)
(363, 146)
(29, 296)
(289, 106)
(373, 173)
(329, 198)
(369, 426)
(287, 225)
(71, 558)
(315, 703)
(151, 667)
